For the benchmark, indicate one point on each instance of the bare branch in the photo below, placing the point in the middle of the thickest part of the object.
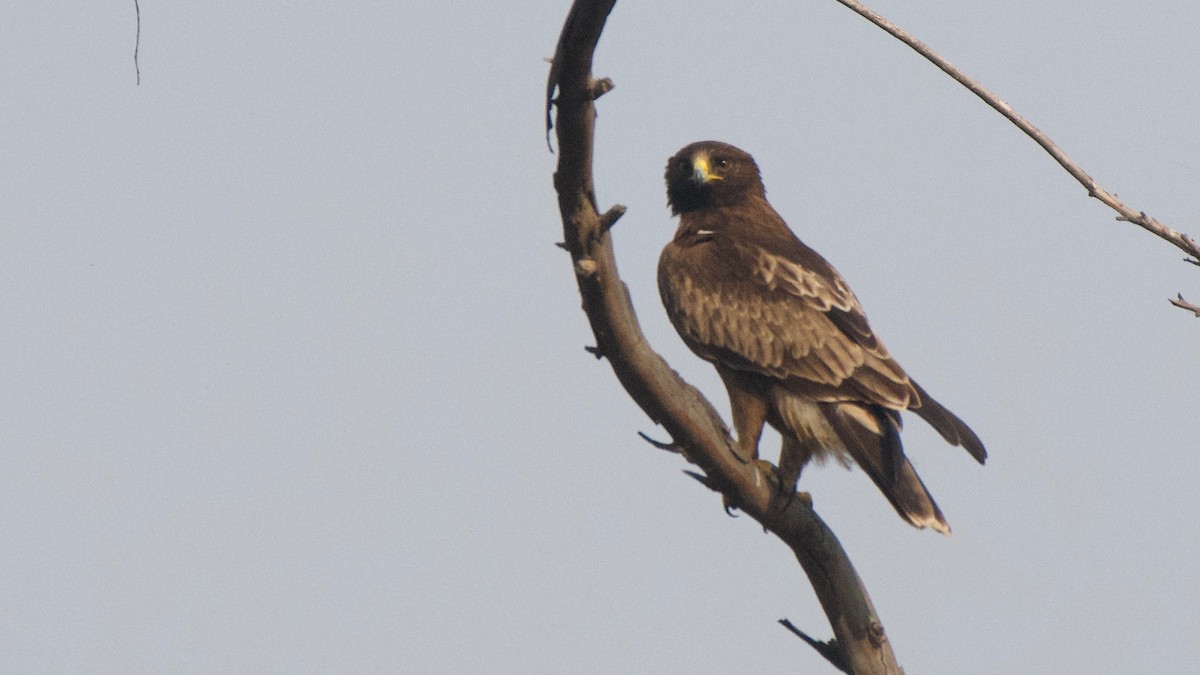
(1180, 302)
(826, 649)
(137, 41)
(669, 447)
(611, 217)
(1182, 241)
(694, 425)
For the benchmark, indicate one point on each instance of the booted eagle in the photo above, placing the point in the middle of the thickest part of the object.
(787, 335)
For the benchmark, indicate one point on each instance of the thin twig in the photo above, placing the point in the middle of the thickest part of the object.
(1184, 304)
(669, 447)
(1182, 241)
(827, 649)
(137, 41)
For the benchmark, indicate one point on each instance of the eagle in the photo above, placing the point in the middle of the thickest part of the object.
(787, 335)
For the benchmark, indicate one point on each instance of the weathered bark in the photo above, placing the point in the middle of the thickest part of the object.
(859, 644)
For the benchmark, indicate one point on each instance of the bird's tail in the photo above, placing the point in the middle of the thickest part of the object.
(871, 435)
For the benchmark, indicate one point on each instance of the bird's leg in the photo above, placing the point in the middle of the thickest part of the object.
(792, 458)
(749, 403)
(749, 407)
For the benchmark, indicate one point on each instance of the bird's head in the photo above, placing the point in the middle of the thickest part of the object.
(711, 173)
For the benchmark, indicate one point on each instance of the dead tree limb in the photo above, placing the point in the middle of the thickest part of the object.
(1182, 241)
(859, 645)
(137, 41)
(1184, 304)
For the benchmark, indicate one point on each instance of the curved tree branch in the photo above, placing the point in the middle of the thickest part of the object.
(1182, 241)
(859, 644)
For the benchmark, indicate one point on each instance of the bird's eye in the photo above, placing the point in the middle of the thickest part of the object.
(721, 163)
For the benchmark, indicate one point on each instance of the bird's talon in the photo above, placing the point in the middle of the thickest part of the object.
(802, 497)
(763, 468)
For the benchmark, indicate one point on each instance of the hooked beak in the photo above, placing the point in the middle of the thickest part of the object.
(701, 173)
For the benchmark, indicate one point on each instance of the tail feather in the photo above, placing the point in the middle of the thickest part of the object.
(872, 437)
(954, 430)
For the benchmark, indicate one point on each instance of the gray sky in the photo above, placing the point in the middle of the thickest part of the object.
(293, 377)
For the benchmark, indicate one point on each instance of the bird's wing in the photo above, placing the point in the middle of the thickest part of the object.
(788, 316)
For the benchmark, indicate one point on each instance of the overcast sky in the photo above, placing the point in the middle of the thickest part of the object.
(292, 377)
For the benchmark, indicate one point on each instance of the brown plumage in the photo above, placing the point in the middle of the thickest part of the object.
(787, 335)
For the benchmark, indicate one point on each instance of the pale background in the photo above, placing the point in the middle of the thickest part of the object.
(293, 377)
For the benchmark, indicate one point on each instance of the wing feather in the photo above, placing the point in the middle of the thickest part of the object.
(770, 314)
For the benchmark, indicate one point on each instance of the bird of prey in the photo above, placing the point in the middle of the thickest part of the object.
(787, 336)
